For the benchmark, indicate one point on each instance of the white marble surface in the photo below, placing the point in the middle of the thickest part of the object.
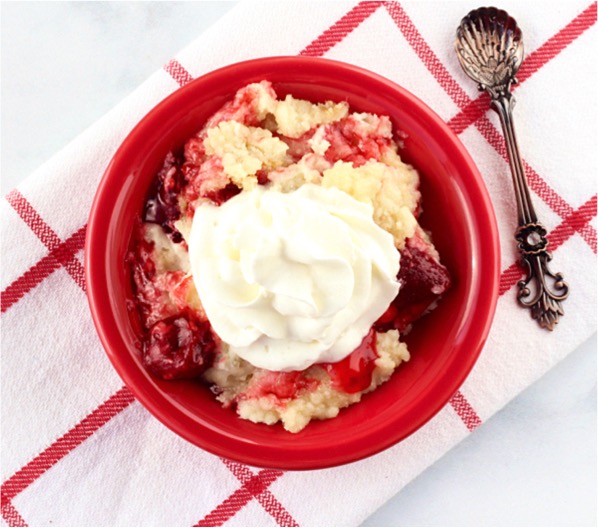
(65, 64)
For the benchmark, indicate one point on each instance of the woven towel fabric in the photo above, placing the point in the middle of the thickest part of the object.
(93, 433)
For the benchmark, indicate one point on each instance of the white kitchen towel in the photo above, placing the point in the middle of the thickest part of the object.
(78, 450)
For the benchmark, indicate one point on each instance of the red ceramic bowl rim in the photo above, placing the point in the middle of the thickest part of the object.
(296, 457)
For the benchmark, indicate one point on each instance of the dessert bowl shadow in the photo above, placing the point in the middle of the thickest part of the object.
(444, 344)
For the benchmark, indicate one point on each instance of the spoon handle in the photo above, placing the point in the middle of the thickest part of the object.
(542, 291)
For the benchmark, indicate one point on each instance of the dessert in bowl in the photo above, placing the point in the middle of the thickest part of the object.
(176, 187)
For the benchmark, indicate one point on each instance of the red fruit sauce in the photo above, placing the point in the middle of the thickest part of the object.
(354, 373)
(282, 385)
(347, 143)
(162, 206)
(179, 347)
(423, 279)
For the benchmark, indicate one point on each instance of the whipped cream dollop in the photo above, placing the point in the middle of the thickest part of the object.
(288, 280)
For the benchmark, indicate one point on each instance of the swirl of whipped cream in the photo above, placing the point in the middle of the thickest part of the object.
(292, 279)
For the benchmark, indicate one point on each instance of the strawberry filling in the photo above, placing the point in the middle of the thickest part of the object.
(351, 141)
(354, 373)
(423, 280)
(281, 386)
(179, 347)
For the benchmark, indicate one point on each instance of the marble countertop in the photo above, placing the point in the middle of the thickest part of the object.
(66, 64)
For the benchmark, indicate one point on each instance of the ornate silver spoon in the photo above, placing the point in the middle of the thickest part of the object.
(490, 49)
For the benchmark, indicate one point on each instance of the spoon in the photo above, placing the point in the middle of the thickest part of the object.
(490, 49)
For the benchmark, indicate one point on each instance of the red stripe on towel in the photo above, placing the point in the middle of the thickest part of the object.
(340, 29)
(59, 256)
(178, 72)
(66, 443)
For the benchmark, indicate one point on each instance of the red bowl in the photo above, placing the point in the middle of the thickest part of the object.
(444, 345)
